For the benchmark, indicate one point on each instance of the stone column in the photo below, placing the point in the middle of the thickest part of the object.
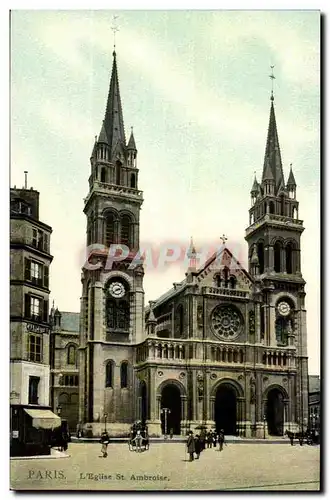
(257, 323)
(272, 333)
(98, 311)
(271, 258)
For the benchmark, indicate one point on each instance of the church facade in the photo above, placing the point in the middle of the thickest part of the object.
(226, 347)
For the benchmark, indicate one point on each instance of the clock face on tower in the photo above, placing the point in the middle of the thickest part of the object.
(117, 289)
(283, 308)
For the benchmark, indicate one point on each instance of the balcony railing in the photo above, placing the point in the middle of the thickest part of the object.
(164, 322)
(281, 358)
(278, 218)
(122, 190)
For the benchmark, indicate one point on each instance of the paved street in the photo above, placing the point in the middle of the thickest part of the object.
(166, 467)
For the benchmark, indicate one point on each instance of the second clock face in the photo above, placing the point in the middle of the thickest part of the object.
(283, 308)
(117, 289)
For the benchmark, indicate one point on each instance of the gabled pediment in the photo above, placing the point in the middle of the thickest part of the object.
(224, 264)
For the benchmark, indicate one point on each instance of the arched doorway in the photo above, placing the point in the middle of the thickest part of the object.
(143, 402)
(225, 409)
(275, 412)
(171, 399)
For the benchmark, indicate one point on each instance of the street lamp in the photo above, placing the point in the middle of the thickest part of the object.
(105, 422)
(165, 411)
(265, 418)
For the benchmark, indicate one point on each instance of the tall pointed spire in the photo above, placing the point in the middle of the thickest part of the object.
(273, 153)
(113, 120)
(131, 143)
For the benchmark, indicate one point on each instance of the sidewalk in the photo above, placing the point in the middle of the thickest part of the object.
(53, 454)
(182, 439)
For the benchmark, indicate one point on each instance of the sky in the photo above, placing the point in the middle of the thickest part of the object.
(195, 86)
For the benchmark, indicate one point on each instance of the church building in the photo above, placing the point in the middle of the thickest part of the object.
(226, 347)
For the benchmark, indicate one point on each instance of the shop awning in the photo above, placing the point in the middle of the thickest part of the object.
(43, 419)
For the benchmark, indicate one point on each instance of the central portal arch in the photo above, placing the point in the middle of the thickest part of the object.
(275, 412)
(171, 399)
(225, 409)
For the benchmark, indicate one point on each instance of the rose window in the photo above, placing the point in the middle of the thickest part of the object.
(226, 322)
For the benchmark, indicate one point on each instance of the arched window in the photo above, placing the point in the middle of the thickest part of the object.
(226, 276)
(123, 315)
(265, 208)
(281, 326)
(71, 355)
(118, 171)
(125, 226)
(294, 213)
(109, 229)
(133, 182)
(289, 258)
(277, 257)
(217, 280)
(282, 205)
(117, 306)
(109, 369)
(124, 375)
(232, 281)
(103, 174)
(260, 251)
(271, 207)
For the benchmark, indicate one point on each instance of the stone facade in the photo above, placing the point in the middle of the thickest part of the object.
(64, 369)
(224, 348)
(30, 259)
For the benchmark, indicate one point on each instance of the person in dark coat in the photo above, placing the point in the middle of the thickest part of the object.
(104, 442)
(209, 439)
(198, 447)
(191, 446)
(202, 438)
(214, 439)
(221, 439)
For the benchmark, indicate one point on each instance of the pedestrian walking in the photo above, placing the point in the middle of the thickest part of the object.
(105, 439)
(221, 439)
(79, 430)
(197, 446)
(214, 439)
(209, 439)
(202, 438)
(191, 446)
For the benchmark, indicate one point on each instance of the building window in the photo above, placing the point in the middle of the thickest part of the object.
(71, 355)
(40, 240)
(36, 272)
(117, 314)
(260, 251)
(109, 230)
(289, 258)
(232, 281)
(35, 308)
(133, 184)
(103, 174)
(70, 380)
(35, 348)
(124, 375)
(277, 257)
(33, 390)
(109, 374)
(125, 224)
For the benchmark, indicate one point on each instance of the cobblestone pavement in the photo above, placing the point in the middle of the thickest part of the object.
(166, 467)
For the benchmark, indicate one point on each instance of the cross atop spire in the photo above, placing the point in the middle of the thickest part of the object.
(272, 77)
(114, 28)
(223, 238)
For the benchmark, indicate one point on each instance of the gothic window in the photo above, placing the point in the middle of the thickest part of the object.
(125, 225)
(109, 368)
(123, 315)
(271, 207)
(232, 281)
(289, 258)
(71, 355)
(295, 213)
(226, 276)
(109, 229)
(118, 171)
(217, 280)
(226, 322)
(265, 208)
(103, 174)
(281, 329)
(124, 375)
(282, 205)
(260, 250)
(277, 257)
(133, 182)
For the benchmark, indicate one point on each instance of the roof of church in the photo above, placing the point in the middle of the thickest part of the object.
(272, 152)
(70, 321)
(180, 286)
